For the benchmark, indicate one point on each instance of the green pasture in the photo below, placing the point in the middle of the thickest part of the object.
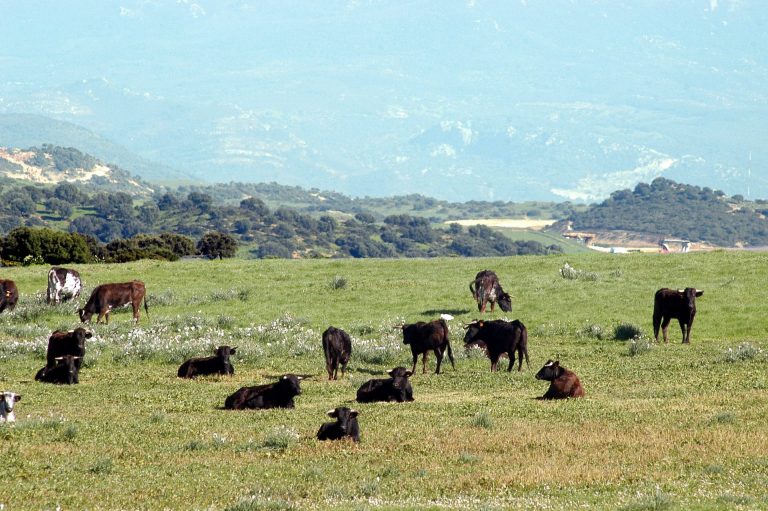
(682, 427)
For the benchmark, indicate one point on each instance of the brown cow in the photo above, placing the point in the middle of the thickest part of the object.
(9, 295)
(424, 337)
(106, 297)
(563, 382)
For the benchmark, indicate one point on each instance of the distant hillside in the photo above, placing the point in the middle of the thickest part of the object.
(52, 165)
(669, 209)
(28, 130)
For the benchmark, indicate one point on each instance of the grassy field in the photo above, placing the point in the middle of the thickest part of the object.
(662, 426)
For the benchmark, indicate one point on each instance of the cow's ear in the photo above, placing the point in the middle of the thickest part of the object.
(353, 413)
(332, 413)
(233, 350)
(17, 397)
(408, 373)
(699, 292)
(390, 372)
(556, 363)
(88, 335)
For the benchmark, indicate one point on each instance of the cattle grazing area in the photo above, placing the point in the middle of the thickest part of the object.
(661, 426)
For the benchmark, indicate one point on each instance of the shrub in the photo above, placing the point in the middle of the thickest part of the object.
(626, 331)
(745, 351)
(639, 345)
(571, 273)
(280, 438)
(338, 282)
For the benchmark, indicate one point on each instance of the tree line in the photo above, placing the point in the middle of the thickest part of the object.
(116, 227)
(672, 209)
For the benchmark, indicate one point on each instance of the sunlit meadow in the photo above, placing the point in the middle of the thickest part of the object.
(661, 427)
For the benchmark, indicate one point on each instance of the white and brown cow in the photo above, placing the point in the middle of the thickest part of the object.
(63, 284)
(7, 402)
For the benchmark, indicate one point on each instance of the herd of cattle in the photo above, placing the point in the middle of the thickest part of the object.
(66, 350)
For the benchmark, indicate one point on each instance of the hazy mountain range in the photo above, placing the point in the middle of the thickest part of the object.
(459, 100)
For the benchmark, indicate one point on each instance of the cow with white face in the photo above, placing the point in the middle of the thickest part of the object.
(7, 403)
(63, 284)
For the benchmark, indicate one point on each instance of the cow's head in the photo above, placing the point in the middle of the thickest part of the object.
(81, 334)
(290, 382)
(399, 372)
(473, 331)
(225, 351)
(690, 294)
(505, 302)
(85, 317)
(550, 371)
(343, 416)
(10, 399)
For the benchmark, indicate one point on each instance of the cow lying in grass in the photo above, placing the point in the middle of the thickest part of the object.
(345, 425)
(396, 388)
(65, 372)
(217, 364)
(563, 382)
(273, 395)
(8, 401)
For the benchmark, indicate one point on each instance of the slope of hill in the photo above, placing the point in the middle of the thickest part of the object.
(29, 130)
(52, 165)
(669, 209)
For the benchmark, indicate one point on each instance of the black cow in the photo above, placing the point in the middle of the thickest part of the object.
(337, 347)
(62, 343)
(424, 337)
(345, 426)
(563, 382)
(63, 284)
(9, 295)
(669, 304)
(397, 388)
(106, 297)
(272, 395)
(486, 288)
(64, 372)
(500, 337)
(217, 364)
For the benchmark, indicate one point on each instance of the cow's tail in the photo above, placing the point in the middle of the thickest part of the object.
(472, 288)
(146, 307)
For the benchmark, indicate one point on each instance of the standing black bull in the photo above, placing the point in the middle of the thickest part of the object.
(337, 347)
(669, 304)
(424, 337)
(486, 288)
(500, 337)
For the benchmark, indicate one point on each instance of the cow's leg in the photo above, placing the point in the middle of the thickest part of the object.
(415, 359)
(511, 354)
(424, 362)
(664, 325)
(492, 305)
(494, 362)
(482, 305)
(439, 355)
(656, 325)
